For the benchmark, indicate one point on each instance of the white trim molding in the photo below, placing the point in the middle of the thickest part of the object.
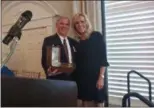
(8, 5)
(46, 18)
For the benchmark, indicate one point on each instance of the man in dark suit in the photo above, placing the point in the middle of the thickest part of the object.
(60, 39)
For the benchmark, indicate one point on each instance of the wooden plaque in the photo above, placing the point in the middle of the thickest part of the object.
(53, 60)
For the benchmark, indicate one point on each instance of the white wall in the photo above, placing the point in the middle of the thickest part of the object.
(27, 56)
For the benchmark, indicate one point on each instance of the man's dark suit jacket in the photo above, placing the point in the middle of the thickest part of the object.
(55, 40)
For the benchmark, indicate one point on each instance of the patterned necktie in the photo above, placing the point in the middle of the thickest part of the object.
(65, 49)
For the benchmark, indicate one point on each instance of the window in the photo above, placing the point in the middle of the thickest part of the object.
(130, 46)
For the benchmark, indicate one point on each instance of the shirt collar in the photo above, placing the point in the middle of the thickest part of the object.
(62, 37)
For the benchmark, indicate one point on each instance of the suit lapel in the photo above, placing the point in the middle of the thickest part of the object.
(70, 44)
(57, 40)
(72, 50)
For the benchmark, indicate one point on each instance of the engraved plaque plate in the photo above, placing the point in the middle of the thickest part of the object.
(55, 56)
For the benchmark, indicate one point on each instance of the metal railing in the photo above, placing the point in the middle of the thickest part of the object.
(133, 94)
(136, 94)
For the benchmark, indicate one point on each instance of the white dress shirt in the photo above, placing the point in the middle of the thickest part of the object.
(68, 47)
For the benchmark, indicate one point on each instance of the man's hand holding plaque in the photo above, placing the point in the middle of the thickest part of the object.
(53, 72)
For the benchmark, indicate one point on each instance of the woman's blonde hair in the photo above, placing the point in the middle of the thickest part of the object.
(88, 24)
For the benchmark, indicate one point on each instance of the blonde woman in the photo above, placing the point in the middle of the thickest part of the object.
(91, 61)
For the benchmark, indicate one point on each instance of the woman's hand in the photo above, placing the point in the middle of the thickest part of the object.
(100, 83)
